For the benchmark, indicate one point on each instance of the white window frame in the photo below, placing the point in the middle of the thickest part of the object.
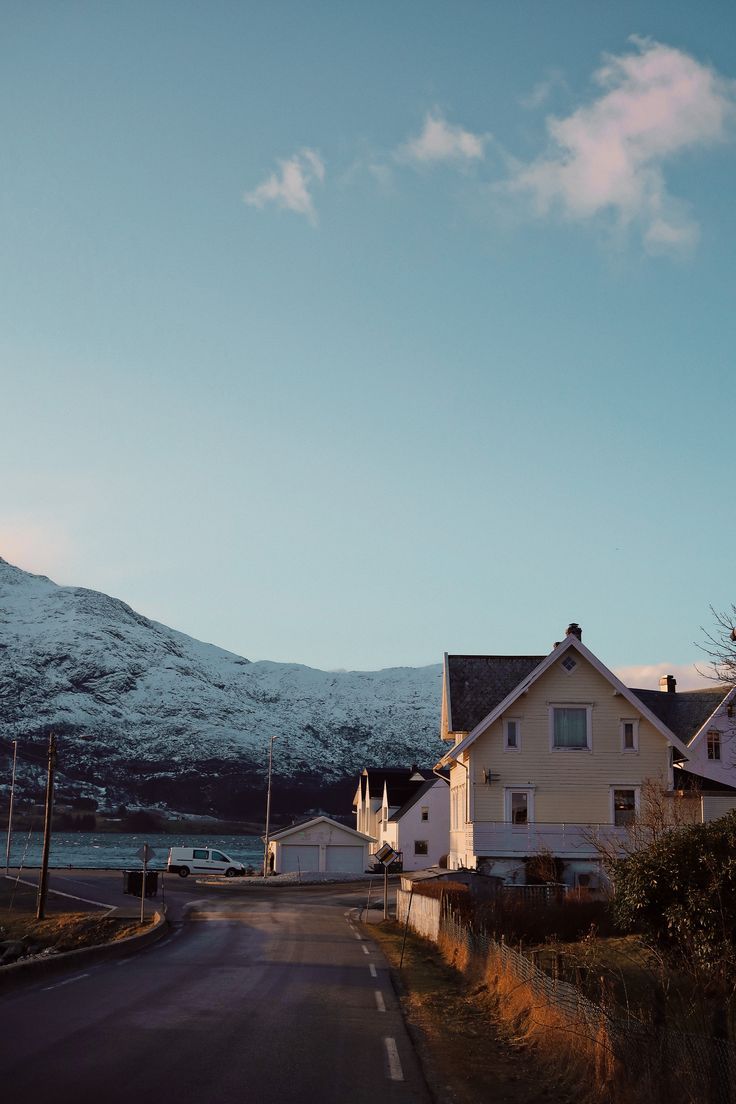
(588, 726)
(635, 722)
(624, 786)
(714, 736)
(574, 667)
(507, 792)
(506, 745)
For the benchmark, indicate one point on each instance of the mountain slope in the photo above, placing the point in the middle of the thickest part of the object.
(146, 713)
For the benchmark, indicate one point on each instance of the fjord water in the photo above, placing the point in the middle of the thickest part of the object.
(118, 850)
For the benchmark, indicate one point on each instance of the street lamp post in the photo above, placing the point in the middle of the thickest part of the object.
(268, 807)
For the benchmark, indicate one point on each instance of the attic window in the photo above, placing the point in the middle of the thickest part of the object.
(714, 744)
(569, 664)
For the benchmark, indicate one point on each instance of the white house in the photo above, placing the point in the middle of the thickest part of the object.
(409, 809)
(550, 753)
(320, 845)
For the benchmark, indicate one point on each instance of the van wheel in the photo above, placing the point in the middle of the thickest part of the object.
(230, 873)
(183, 871)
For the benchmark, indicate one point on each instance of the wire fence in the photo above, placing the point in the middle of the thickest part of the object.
(665, 1065)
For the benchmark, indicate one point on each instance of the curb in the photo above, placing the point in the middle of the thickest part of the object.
(31, 968)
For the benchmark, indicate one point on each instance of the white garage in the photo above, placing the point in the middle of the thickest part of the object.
(320, 845)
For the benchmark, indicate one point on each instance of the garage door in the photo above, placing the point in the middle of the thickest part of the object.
(295, 856)
(347, 860)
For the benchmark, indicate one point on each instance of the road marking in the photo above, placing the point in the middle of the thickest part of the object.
(372, 969)
(71, 896)
(124, 962)
(379, 1001)
(365, 949)
(357, 934)
(67, 982)
(395, 1071)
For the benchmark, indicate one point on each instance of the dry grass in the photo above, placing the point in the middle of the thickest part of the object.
(469, 1055)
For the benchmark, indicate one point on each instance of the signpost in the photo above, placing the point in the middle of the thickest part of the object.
(144, 853)
(386, 855)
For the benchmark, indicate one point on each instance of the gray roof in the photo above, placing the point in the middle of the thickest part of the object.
(684, 712)
(477, 684)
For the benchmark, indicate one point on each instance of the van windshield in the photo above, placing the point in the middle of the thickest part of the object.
(219, 857)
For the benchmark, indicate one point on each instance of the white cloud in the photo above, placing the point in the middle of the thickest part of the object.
(609, 156)
(647, 677)
(441, 141)
(290, 187)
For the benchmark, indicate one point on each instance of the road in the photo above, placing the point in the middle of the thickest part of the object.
(269, 995)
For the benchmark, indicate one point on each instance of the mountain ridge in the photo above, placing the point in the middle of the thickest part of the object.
(147, 714)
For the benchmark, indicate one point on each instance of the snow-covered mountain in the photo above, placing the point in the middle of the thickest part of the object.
(147, 714)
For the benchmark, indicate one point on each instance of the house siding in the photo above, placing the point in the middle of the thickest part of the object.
(570, 786)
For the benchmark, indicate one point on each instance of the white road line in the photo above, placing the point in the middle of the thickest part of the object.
(395, 1071)
(123, 961)
(379, 1001)
(67, 982)
(357, 934)
(372, 969)
(365, 949)
(71, 896)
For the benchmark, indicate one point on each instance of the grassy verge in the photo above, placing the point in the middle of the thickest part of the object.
(468, 1054)
(61, 930)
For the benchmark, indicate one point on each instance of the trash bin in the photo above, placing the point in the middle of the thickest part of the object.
(133, 882)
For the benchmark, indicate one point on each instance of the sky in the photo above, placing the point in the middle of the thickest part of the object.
(350, 334)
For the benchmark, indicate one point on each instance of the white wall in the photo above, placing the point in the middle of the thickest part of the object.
(435, 830)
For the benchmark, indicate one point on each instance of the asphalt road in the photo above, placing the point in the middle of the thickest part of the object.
(269, 995)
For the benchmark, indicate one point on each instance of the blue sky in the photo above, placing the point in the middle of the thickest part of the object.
(349, 334)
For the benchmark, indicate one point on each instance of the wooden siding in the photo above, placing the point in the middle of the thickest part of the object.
(571, 785)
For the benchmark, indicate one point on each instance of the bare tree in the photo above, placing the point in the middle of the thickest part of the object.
(719, 645)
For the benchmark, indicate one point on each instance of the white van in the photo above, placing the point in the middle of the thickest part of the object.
(202, 860)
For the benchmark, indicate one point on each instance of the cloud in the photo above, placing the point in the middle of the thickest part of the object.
(647, 677)
(542, 91)
(289, 187)
(609, 156)
(440, 141)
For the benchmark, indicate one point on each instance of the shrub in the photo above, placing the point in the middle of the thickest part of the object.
(680, 892)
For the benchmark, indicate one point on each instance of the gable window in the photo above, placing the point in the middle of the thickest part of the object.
(714, 744)
(421, 847)
(425, 812)
(625, 802)
(511, 734)
(570, 725)
(519, 805)
(569, 664)
(629, 735)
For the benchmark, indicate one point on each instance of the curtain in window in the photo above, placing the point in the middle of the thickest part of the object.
(571, 728)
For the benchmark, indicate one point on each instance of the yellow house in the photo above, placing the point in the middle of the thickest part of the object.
(550, 754)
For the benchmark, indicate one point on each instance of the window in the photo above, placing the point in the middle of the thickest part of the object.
(714, 744)
(570, 726)
(425, 812)
(629, 735)
(200, 853)
(219, 857)
(569, 664)
(519, 804)
(421, 847)
(512, 734)
(624, 807)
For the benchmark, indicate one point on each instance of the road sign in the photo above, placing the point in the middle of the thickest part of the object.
(386, 854)
(145, 853)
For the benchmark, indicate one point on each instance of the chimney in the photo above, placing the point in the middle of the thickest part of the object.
(573, 629)
(667, 684)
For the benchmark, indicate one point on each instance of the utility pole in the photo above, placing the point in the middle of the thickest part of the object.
(44, 876)
(268, 809)
(10, 809)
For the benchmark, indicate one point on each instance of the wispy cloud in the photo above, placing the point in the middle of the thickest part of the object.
(609, 156)
(543, 89)
(441, 141)
(290, 186)
(647, 677)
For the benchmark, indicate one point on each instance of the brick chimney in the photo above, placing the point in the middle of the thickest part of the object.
(668, 684)
(573, 629)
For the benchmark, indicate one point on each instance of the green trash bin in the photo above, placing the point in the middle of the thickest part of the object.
(133, 882)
